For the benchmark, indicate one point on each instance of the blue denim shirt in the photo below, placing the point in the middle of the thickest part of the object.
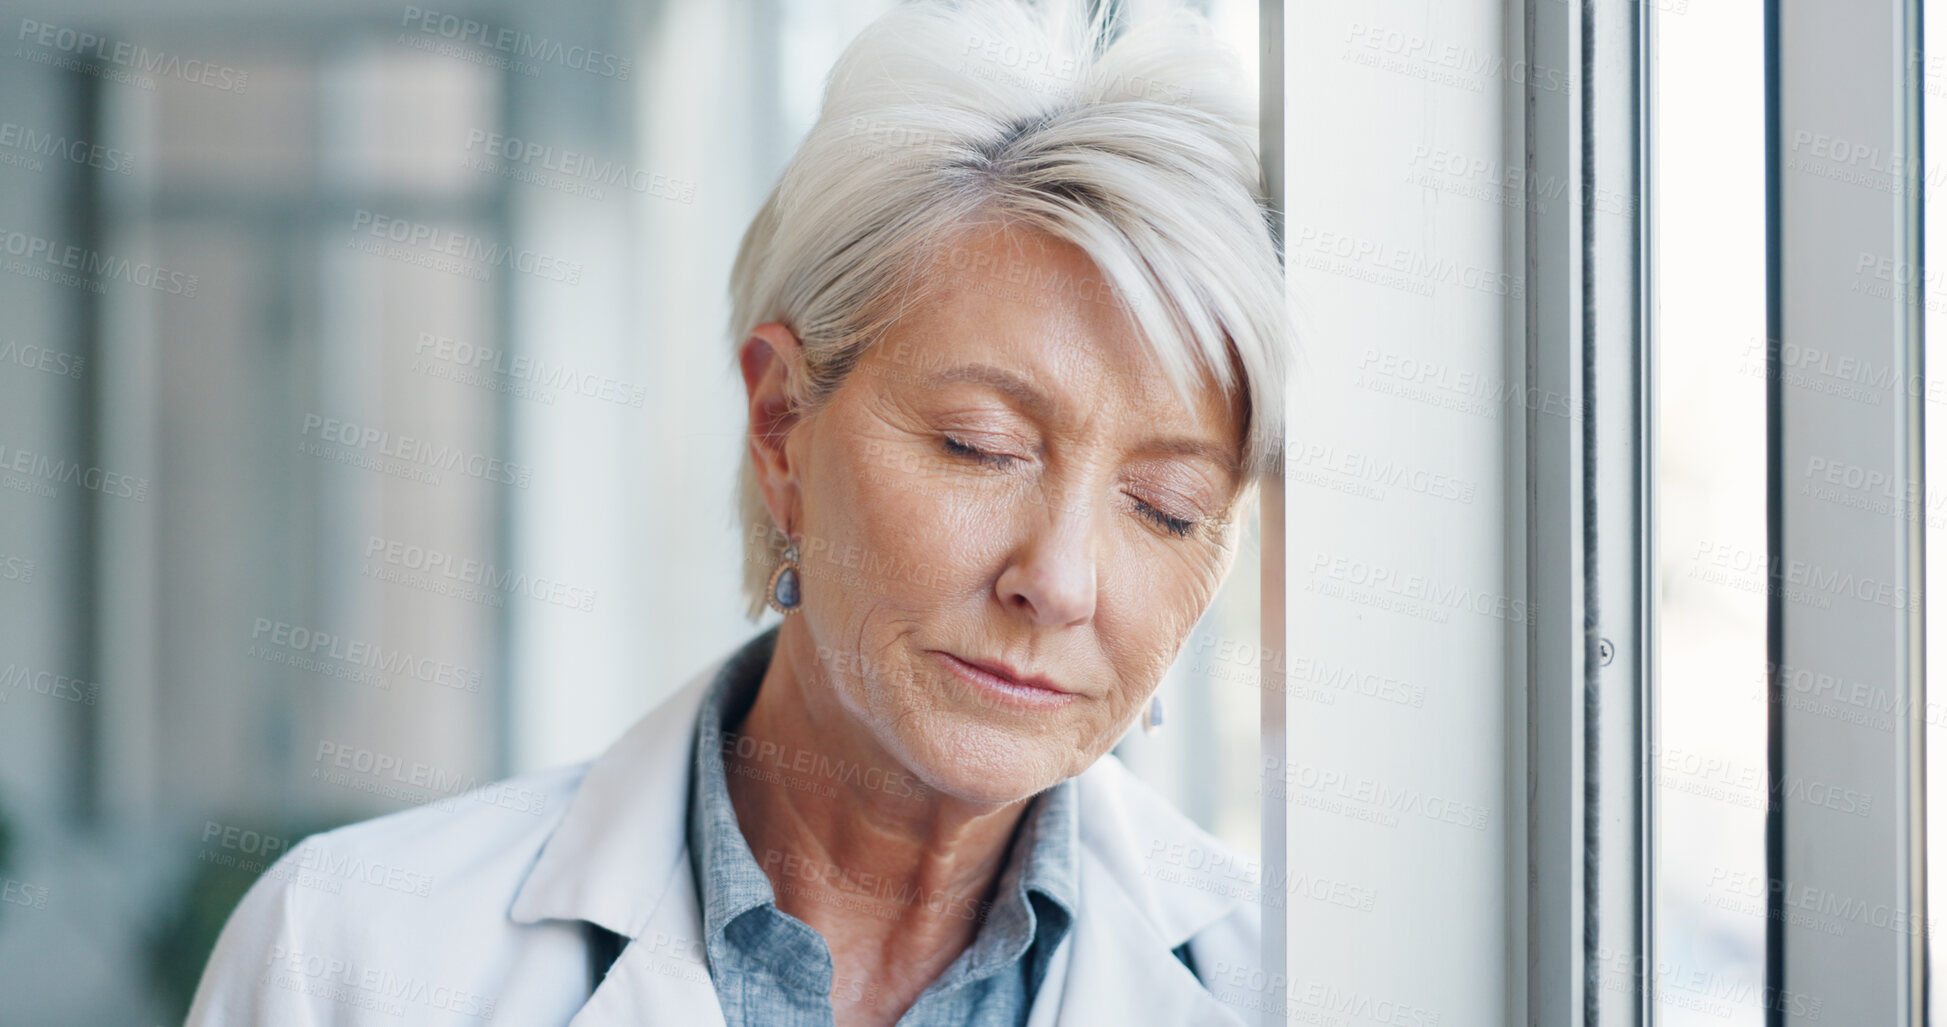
(771, 969)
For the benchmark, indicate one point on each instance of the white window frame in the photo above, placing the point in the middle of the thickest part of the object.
(1561, 931)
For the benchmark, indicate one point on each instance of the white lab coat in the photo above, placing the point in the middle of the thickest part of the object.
(469, 911)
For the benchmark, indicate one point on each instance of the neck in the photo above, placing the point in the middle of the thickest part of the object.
(893, 874)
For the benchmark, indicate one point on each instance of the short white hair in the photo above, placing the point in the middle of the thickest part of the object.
(1136, 143)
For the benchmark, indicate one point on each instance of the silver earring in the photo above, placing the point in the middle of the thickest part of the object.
(783, 595)
(1153, 715)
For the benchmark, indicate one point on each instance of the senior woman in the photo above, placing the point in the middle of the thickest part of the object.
(1011, 332)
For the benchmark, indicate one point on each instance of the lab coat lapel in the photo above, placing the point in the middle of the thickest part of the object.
(620, 859)
(1119, 970)
(610, 859)
(661, 976)
(1116, 965)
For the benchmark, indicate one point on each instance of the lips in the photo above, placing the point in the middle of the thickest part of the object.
(1005, 683)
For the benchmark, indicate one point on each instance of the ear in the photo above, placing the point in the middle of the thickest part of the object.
(771, 357)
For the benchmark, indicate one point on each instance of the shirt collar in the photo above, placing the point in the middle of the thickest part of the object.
(1053, 844)
(728, 877)
(1035, 902)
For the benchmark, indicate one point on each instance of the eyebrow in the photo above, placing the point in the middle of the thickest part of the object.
(1195, 448)
(1038, 404)
(1015, 387)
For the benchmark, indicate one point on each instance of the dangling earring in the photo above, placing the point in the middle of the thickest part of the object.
(1153, 715)
(783, 595)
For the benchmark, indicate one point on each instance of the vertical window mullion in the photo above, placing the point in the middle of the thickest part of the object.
(1618, 644)
(1843, 569)
(1588, 450)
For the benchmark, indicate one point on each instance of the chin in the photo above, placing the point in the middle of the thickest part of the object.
(978, 761)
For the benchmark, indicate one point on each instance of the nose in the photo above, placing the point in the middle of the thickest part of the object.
(1050, 577)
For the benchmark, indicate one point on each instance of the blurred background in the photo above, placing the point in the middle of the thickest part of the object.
(367, 433)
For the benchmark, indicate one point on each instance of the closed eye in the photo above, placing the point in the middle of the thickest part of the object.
(999, 461)
(1174, 525)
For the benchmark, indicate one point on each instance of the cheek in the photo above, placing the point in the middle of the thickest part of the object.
(923, 535)
(1150, 602)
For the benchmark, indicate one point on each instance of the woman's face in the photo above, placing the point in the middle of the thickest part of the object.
(1008, 522)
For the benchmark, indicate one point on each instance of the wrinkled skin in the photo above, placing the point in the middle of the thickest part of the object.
(1006, 477)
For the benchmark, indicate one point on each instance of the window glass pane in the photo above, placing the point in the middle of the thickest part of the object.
(262, 138)
(397, 117)
(1707, 211)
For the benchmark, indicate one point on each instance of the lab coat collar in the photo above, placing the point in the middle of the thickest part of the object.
(619, 858)
(1112, 968)
(611, 859)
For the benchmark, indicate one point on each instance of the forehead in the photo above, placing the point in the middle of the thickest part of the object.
(1038, 305)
